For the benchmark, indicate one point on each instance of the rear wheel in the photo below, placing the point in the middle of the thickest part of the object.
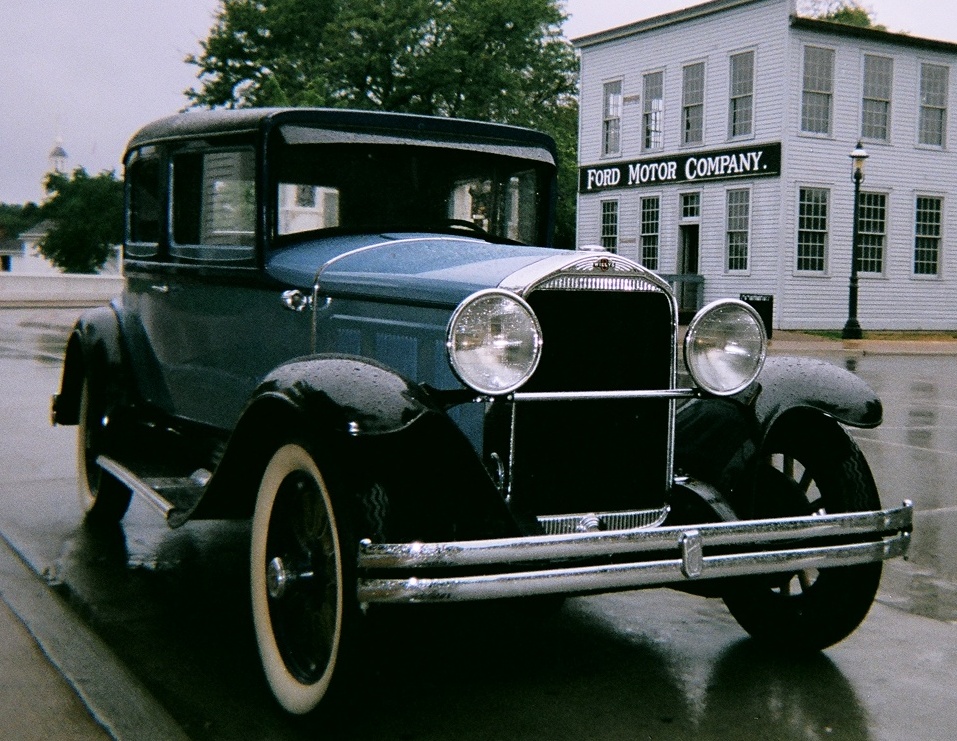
(302, 579)
(811, 466)
(103, 499)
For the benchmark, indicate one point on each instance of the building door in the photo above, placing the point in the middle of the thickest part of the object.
(689, 287)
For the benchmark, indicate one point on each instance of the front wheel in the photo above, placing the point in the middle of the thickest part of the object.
(811, 466)
(103, 499)
(303, 587)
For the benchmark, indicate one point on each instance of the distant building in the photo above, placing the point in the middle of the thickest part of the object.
(714, 143)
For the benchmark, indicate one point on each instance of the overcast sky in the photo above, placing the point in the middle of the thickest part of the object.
(91, 73)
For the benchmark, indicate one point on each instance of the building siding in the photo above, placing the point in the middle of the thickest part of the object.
(900, 168)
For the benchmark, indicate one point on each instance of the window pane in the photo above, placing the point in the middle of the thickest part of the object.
(609, 225)
(872, 219)
(611, 118)
(817, 90)
(742, 94)
(875, 121)
(933, 104)
(739, 217)
(927, 228)
(693, 104)
(690, 205)
(650, 219)
(654, 110)
(812, 229)
(145, 206)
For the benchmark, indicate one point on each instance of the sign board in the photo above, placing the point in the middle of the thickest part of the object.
(763, 160)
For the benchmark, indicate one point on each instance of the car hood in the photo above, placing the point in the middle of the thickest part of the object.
(428, 268)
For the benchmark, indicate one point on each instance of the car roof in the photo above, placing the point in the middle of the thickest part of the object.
(232, 121)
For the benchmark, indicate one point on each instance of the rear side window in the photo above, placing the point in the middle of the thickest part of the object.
(144, 203)
(214, 205)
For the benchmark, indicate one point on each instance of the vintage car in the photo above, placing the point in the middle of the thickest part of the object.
(350, 328)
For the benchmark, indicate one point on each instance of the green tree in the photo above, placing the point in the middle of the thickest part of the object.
(15, 219)
(848, 12)
(87, 216)
(494, 60)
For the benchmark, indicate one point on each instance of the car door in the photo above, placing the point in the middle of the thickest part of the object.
(211, 323)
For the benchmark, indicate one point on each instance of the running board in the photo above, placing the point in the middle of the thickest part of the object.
(168, 494)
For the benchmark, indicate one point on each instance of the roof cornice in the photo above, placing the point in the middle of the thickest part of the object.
(872, 34)
(661, 21)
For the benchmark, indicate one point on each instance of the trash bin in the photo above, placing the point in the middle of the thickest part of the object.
(763, 303)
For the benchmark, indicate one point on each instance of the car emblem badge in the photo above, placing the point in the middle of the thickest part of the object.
(604, 264)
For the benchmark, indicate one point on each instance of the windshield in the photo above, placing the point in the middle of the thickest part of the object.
(407, 187)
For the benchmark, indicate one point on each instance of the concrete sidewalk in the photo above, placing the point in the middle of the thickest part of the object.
(794, 342)
(58, 680)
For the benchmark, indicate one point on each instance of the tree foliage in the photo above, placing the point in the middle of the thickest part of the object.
(493, 60)
(848, 12)
(15, 219)
(87, 216)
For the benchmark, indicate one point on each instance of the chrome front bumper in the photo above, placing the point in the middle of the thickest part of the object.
(412, 571)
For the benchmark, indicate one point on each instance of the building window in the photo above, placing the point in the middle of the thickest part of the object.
(818, 90)
(876, 104)
(872, 232)
(609, 225)
(927, 235)
(812, 230)
(692, 104)
(933, 104)
(739, 219)
(611, 118)
(650, 221)
(741, 113)
(654, 110)
(690, 205)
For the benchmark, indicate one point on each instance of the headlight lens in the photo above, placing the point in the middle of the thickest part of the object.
(494, 342)
(725, 347)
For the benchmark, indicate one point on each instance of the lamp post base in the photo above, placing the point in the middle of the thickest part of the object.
(852, 330)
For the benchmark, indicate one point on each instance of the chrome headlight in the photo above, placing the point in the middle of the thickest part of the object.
(494, 341)
(725, 347)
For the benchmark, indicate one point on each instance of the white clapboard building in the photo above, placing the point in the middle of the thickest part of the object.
(714, 147)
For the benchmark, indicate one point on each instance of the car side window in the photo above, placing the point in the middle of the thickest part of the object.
(214, 205)
(144, 203)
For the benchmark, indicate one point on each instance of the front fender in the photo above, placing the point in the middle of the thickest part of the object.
(412, 473)
(789, 383)
(719, 440)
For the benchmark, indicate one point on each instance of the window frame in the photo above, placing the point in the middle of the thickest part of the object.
(606, 238)
(652, 121)
(865, 232)
(825, 242)
(649, 241)
(733, 97)
(939, 237)
(871, 95)
(611, 116)
(923, 108)
(206, 252)
(693, 96)
(825, 93)
(746, 231)
(137, 249)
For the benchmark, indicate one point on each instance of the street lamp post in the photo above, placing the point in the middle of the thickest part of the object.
(852, 330)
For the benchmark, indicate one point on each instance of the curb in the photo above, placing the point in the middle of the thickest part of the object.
(116, 700)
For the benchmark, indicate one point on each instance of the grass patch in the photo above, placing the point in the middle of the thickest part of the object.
(889, 334)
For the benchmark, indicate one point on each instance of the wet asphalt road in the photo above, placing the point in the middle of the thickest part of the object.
(172, 608)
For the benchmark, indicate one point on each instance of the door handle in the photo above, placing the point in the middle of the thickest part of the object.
(159, 288)
(296, 300)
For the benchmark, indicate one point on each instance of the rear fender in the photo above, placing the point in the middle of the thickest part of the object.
(719, 440)
(93, 349)
(412, 473)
